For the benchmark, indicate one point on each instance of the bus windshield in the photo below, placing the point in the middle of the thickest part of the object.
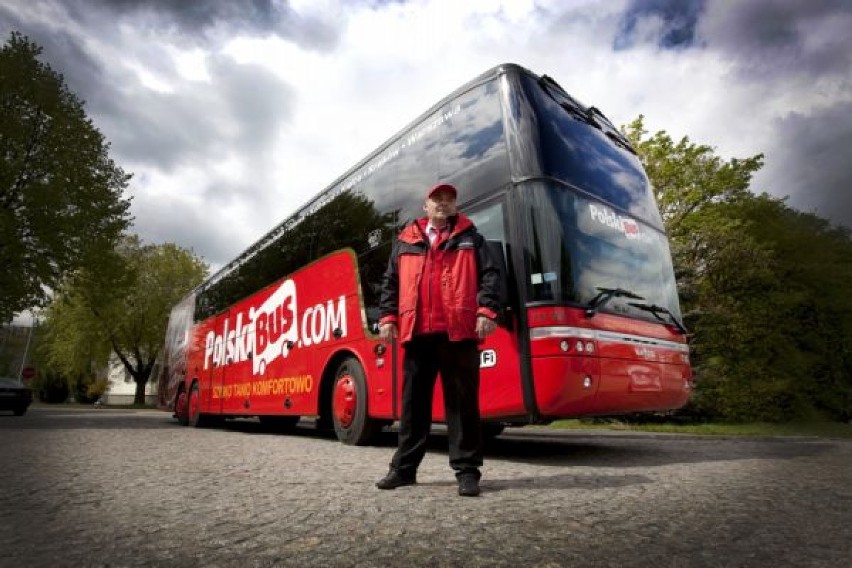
(580, 147)
(578, 246)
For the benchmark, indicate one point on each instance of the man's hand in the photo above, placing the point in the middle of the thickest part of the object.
(387, 331)
(485, 326)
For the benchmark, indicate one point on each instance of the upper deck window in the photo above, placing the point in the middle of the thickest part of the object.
(576, 148)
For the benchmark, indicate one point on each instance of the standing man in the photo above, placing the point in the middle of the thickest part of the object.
(440, 296)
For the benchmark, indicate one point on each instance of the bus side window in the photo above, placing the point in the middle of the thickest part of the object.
(490, 224)
(378, 233)
(371, 268)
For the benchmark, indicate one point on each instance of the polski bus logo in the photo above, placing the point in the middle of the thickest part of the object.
(630, 228)
(625, 225)
(275, 326)
(271, 330)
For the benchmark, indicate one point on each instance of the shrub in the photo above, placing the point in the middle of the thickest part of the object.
(51, 387)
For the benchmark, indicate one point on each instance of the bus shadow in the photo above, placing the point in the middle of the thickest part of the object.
(603, 451)
(566, 448)
(644, 451)
(538, 446)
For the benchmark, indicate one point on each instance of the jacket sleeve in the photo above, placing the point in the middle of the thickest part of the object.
(491, 282)
(389, 301)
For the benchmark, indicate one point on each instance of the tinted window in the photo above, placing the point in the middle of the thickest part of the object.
(582, 155)
(462, 142)
(489, 222)
(348, 220)
(379, 188)
(417, 164)
(473, 152)
(575, 246)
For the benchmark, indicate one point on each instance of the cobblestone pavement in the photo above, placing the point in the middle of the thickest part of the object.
(131, 488)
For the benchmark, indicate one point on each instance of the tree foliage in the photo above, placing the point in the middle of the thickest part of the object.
(61, 201)
(763, 287)
(122, 308)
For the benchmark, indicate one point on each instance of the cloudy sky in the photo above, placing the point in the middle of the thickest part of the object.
(232, 113)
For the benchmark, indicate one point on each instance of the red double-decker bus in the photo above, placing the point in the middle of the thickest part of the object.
(288, 330)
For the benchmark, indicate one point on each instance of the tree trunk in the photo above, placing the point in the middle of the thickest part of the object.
(139, 397)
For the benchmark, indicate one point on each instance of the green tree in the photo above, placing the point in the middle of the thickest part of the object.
(762, 286)
(61, 201)
(121, 308)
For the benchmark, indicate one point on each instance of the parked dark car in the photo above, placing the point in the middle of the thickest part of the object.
(14, 396)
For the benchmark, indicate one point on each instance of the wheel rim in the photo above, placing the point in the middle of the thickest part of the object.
(345, 400)
(193, 404)
(180, 405)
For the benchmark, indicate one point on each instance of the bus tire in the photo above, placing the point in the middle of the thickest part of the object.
(352, 425)
(194, 416)
(181, 407)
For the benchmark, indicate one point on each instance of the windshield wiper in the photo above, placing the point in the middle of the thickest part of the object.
(620, 141)
(569, 104)
(578, 113)
(657, 310)
(607, 294)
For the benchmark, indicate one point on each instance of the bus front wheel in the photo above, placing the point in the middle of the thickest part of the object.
(352, 425)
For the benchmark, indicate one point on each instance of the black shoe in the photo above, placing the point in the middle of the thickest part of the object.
(395, 479)
(468, 485)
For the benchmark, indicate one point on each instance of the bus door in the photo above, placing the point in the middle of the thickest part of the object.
(500, 388)
(217, 394)
(384, 386)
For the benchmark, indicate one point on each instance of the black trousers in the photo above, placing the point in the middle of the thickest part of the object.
(458, 363)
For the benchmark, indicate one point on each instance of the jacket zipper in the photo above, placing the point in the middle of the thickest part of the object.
(431, 259)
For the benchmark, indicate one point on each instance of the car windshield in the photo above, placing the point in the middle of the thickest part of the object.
(9, 382)
(578, 247)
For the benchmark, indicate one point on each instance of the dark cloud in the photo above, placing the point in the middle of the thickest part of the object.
(787, 48)
(811, 163)
(62, 51)
(194, 21)
(762, 38)
(769, 38)
(198, 124)
(188, 226)
(678, 17)
(240, 109)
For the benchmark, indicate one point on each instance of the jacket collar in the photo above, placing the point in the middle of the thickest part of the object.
(415, 232)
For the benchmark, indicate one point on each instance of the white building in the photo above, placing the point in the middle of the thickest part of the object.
(122, 388)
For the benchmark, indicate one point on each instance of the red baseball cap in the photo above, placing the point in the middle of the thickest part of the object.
(442, 187)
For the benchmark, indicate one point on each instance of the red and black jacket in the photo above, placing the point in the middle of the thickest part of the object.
(460, 268)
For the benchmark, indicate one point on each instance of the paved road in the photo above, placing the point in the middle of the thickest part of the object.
(131, 488)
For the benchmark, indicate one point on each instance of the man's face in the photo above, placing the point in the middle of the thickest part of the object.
(439, 207)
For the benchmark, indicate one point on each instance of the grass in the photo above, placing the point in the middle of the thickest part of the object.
(819, 429)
